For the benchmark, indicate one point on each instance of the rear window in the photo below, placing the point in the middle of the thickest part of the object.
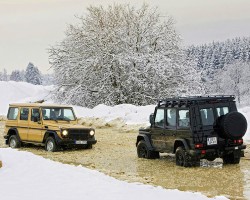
(222, 111)
(207, 116)
(12, 114)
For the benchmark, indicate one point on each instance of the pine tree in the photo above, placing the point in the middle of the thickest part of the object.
(16, 76)
(32, 75)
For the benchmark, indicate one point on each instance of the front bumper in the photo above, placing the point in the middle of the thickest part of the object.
(72, 142)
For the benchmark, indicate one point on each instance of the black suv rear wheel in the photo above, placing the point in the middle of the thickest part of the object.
(181, 157)
(144, 152)
(232, 158)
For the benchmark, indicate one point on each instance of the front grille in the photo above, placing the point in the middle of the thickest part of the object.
(78, 134)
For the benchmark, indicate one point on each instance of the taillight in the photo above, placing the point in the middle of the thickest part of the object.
(198, 146)
(203, 151)
(240, 141)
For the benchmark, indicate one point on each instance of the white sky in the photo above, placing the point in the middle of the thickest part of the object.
(29, 27)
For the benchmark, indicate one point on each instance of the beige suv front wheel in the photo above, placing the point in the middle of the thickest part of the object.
(50, 144)
(14, 142)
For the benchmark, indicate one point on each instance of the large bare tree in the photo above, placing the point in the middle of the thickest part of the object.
(120, 54)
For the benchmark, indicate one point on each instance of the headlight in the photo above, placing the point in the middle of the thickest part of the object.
(92, 132)
(65, 133)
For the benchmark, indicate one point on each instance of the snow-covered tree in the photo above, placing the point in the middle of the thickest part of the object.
(33, 75)
(4, 75)
(48, 79)
(16, 76)
(121, 55)
(233, 79)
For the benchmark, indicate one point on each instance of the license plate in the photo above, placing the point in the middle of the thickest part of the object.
(81, 142)
(211, 140)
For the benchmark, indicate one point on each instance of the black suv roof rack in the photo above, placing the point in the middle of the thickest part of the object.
(194, 100)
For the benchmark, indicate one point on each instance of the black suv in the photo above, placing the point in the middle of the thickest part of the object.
(194, 128)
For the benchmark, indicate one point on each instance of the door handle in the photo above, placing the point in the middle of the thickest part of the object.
(162, 133)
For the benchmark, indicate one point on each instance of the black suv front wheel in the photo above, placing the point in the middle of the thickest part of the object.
(144, 152)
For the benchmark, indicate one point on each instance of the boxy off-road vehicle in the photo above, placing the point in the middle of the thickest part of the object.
(54, 126)
(194, 128)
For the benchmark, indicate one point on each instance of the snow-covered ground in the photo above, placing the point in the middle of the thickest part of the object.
(25, 176)
(18, 92)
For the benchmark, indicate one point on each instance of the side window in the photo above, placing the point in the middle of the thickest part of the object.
(183, 118)
(171, 117)
(46, 113)
(35, 115)
(222, 111)
(159, 118)
(24, 114)
(12, 114)
(207, 116)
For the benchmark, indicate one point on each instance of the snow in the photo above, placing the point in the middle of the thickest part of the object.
(130, 114)
(246, 112)
(18, 92)
(27, 176)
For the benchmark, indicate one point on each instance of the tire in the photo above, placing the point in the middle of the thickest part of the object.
(183, 159)
(14, 142)
(233, 125)
(144, 152)
(50, 144)
(231, 158)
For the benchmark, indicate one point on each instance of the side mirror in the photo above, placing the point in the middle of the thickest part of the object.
(151, 118)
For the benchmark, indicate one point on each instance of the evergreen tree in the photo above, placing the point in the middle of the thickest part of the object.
(32, 75)
(5, 75)
(16, 76)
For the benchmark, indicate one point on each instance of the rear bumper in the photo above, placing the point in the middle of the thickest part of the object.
(218, 152)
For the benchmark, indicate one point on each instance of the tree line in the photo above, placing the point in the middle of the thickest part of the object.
(225, 67)
(30, 75)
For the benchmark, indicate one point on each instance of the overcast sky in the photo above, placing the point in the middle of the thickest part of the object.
(29, 27)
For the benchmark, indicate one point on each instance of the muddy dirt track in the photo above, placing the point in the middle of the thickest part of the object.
(115, 155)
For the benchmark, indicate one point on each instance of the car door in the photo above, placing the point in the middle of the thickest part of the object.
(23, 123)
(35, 130)
(183, 124)
(158, 130)
(170, 133)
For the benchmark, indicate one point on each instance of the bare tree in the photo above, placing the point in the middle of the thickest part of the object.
(121, 55)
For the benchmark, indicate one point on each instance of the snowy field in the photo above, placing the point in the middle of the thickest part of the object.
(33, 177)
(27, 177)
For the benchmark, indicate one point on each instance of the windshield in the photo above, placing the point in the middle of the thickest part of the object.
(58, 114)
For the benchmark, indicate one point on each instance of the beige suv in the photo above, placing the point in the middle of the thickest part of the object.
(54, 126)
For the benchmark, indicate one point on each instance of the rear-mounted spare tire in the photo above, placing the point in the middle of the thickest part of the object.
(233, 125)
